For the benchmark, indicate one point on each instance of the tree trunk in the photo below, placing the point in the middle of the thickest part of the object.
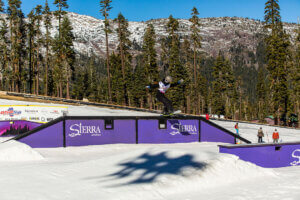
(188, 104)
(107, 66)
(150, 101)
(57, 89)
(37, 73)
(46, 72)
(123, 66)
(60, 90)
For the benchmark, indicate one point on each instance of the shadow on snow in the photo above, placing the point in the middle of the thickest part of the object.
(152, 166)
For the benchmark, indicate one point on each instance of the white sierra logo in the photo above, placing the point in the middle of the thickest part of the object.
(79, 129)
(296, 162)
(181, 129)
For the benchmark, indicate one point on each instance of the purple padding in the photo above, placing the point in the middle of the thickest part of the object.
(51, 136)
(92, 132)
(209, 133)
(269, 156)
(177, 131)
(13, 128)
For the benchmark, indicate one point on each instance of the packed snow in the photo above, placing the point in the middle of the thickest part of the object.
(150, 172)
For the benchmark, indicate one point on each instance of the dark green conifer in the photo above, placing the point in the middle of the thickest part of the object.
(195, 38)
(17, 38)
(125, 56)
(4, 55)
(176, 69)
(105, 8)
(150, 59)
(47, 44)
(277, 56)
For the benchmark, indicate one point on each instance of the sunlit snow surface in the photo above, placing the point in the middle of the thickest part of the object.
(134, 172)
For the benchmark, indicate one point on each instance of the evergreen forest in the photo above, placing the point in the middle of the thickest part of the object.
(35, 62)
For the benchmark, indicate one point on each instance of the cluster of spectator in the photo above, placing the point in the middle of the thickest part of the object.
(260, 134)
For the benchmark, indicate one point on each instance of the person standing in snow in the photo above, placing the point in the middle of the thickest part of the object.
(260, 135)
(207, 116)
(236, 126)
(163, 86)
(275, 136)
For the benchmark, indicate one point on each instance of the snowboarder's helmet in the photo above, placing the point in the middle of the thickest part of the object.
(168, 79)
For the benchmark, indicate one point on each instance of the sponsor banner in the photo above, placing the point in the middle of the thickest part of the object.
(33, 113)
(173, 131)
(94, 132)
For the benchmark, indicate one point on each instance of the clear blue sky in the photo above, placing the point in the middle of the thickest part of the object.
(143, 10)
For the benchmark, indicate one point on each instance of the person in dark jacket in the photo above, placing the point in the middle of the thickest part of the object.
(260, 135)
(162, 88)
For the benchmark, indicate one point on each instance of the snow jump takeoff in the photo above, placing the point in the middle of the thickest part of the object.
(163, 86)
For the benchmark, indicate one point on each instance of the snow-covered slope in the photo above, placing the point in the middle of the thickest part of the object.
(217, 33)
(150, 172)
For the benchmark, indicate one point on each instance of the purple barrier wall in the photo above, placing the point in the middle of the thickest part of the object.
(176, 131)
(210, 133)
(81, 131)
(94, 132)
(13, 128)
(266, 155)
(48, 137)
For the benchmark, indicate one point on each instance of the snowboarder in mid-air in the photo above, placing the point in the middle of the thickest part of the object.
(163, 86)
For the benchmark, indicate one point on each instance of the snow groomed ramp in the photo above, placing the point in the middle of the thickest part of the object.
(266, 155)
(81, 131)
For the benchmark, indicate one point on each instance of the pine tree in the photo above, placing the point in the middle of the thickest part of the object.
(31, 35)
(190, 89)
(176, 69)
(58, 47)
(123, 49)
(17, 38)
(60, 4)
(296, 78)
(117, 79)
(277, 56)
(38, 19)
(261, 91)
(150, 59)
(105, 8)
(139, 78)
(4, 56)
(223, 87)
(195, 38)
(68, 52)
(47, 43)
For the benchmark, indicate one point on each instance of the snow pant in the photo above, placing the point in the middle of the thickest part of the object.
(275, 140)
(168, 108)
(260, 140)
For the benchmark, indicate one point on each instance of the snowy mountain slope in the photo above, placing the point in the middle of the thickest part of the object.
(218, 33)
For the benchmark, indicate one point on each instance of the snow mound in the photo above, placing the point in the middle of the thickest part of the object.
(14, 151)
(223, 170)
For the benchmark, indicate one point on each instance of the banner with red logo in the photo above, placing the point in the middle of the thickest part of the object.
(35, 113)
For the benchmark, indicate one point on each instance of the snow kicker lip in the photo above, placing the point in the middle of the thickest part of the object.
(96, 130)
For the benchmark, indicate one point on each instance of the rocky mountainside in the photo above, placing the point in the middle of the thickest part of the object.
(218, 34)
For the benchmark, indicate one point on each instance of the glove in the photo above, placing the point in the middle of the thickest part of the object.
(147, 87)
(180, 81)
